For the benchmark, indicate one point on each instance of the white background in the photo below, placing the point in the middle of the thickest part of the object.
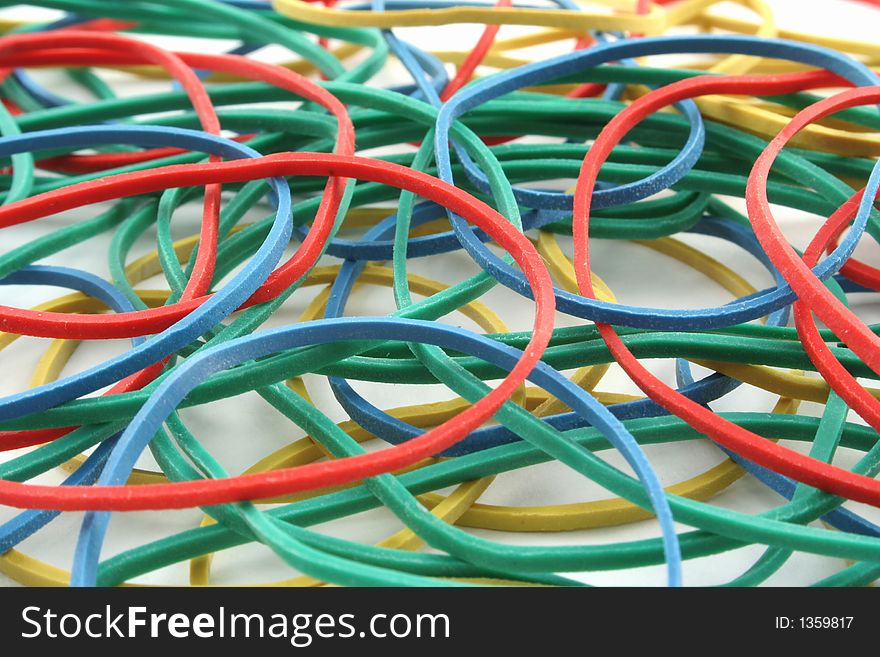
(243, 430)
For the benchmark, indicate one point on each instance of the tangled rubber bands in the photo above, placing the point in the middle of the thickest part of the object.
(317, 182)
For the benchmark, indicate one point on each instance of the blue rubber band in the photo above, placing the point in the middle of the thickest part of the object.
(25, 524)
(737, 312)
(188, 374)
(201, 319)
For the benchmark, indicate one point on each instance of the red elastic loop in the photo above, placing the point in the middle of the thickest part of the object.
(840, 380)
(745, 443)
(154, 320)
(319, 475)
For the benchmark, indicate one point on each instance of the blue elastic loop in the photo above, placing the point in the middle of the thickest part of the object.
(255, 5)
(188, 374)
(201, 319)
(737, 312)
(658, 181)
(28, 522)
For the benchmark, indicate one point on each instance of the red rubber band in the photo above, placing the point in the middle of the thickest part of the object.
(840, 380)
(319, 475)
(68, 325)
(809, 289)
(749, 445)
(203, 270)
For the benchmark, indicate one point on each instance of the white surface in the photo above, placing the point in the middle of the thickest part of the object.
(243, 432)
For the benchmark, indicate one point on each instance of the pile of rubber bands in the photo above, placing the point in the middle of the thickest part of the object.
(316, 180)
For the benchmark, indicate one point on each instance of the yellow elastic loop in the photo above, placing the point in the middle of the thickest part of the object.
(653, 22)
